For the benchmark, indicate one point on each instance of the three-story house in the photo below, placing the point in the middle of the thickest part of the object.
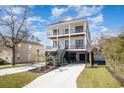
(72, 36)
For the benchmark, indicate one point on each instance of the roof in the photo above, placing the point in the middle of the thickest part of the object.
(64, 21)
(31, 42)
(66, 18)
(27, 41)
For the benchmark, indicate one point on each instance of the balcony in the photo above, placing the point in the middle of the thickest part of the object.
(72, 47)
(77, 47)
(51, 48)
(65, 34)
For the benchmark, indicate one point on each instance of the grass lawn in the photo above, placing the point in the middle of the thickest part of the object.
(97, 78)
(17, 80)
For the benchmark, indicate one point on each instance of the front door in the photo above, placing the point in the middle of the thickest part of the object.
(66, 44)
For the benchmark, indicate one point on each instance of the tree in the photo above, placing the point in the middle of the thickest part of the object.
(14, 27)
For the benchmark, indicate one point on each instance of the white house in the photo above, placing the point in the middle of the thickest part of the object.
(70, 35)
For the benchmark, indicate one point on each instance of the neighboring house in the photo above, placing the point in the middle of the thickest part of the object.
(71, 36)
(29, 51)
(26, 51)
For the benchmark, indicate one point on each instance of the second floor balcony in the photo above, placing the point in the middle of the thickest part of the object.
(66, 32)
(71, 47)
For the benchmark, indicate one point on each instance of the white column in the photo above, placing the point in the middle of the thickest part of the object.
(57, 37)
(77, 56)
(69, 35)
(85, 30)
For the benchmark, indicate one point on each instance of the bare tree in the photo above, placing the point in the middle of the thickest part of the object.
(14, 25)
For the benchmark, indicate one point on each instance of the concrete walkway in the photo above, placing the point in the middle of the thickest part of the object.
(63, 77)
(19, 69)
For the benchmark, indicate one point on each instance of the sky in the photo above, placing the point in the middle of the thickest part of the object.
(101, 19)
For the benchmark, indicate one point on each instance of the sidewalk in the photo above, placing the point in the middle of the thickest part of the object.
(20, 69)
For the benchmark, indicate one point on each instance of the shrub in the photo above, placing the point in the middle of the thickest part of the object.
(2, 61)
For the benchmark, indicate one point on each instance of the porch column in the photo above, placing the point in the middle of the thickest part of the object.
(69, 34)
(85, 31)
(57, 38)
(85, 42)
(90, 58)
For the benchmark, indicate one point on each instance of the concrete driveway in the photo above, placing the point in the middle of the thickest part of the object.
(63, 77)
(20, 69)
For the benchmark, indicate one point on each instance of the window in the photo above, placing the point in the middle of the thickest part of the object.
(78, 29)
(79, 43)
(54, 44)
(18, 56)
(29, 56)
(55, 32)
(30, 46)
(38, 50)
(66, 31)
(19, 45)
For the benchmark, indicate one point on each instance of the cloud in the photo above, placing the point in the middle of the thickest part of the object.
(15, 9)
(57, 12)
(97, 19)
(97, 28)
(103, 29)
(34, 19)
(85, 11)
(18, 10)
(80, 11)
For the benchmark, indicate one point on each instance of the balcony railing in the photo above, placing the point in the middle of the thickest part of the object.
(63, 33)
(77, 47)
(49, 47)
(66, 47)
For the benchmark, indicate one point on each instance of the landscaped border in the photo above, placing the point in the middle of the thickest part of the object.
(121, 80)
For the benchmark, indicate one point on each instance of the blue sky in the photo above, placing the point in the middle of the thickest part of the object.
(101, 19)
(113, 15)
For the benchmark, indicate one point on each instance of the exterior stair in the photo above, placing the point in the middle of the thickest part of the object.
(61, 54)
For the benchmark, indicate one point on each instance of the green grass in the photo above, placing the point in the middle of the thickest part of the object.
(17, 80)
(97, 78)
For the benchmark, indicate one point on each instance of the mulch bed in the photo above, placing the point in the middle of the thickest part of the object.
(37, 70)
(120, 79)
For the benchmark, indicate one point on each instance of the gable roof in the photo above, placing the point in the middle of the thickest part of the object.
(31, 42)
(26, 41)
